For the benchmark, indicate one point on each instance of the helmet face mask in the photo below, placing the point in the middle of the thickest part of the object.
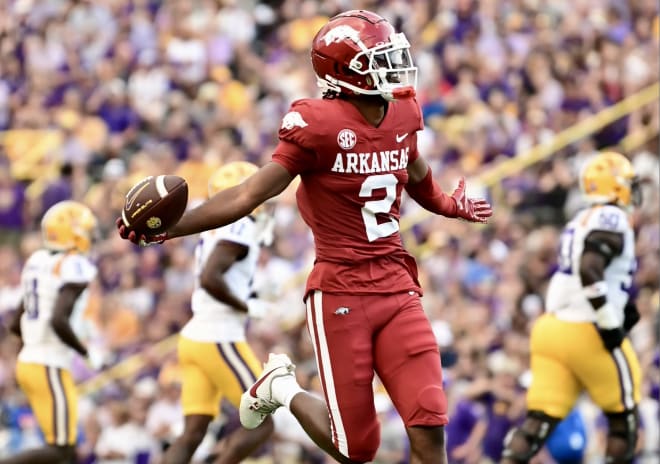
(389, 66)
(359, 53)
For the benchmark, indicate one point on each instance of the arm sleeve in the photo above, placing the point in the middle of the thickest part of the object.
(431, 197)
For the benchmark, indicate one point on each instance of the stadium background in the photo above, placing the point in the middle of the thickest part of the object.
(94, 95)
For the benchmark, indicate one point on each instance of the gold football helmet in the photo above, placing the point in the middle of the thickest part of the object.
(233, 174)
(68, 225)
(609, 178)
(229, 175)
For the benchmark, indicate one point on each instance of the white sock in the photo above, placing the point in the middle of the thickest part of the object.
(284, 389)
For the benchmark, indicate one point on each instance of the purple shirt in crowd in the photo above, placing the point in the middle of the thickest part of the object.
(463, 420)
(498, 426)
(12, 201)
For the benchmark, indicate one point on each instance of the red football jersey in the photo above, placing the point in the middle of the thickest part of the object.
(352, 175)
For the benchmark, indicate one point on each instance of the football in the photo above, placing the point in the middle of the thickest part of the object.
(155, 204)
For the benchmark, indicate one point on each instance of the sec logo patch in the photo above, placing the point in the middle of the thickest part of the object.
(154, 222)
(346, 139)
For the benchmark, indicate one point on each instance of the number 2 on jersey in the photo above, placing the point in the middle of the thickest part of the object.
(31, 300)
(371, 208)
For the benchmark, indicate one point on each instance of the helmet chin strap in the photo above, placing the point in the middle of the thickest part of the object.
(399, 93)
(403, 93)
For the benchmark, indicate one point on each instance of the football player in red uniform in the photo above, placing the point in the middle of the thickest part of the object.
(355, 151)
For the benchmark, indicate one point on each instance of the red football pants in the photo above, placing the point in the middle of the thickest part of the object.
(357, 335)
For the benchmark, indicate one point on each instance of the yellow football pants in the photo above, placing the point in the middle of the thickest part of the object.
(568, 358)
(53, 399)
(211, 371)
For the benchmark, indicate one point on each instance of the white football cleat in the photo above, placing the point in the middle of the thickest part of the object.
(258, 402)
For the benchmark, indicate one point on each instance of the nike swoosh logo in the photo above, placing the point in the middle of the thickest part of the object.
(399, 138)
(253, 390)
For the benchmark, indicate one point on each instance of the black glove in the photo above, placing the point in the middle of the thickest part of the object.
(630, 316)
(612, 338)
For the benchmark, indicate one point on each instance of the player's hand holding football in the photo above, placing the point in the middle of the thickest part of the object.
(152, 206)
(142, 240)
(470, 209)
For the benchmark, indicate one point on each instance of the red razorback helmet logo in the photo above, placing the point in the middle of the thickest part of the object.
(359, 52)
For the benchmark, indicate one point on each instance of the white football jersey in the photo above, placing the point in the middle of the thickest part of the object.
(565, 296)
(44, 273)
(213, 321)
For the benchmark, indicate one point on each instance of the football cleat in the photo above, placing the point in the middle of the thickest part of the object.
(258, 402)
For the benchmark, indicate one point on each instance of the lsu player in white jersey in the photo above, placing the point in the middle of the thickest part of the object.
(53, 281)
(580, 343)
(215, 359)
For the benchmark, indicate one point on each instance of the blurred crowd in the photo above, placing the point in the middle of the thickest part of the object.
(96, 94)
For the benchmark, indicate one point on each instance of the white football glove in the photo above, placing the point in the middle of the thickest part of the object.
(97, 357)
(256, 308)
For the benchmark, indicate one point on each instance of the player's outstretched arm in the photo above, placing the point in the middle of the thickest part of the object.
(424, 190)
(66, 299)
(234, 203)
(223, 208)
